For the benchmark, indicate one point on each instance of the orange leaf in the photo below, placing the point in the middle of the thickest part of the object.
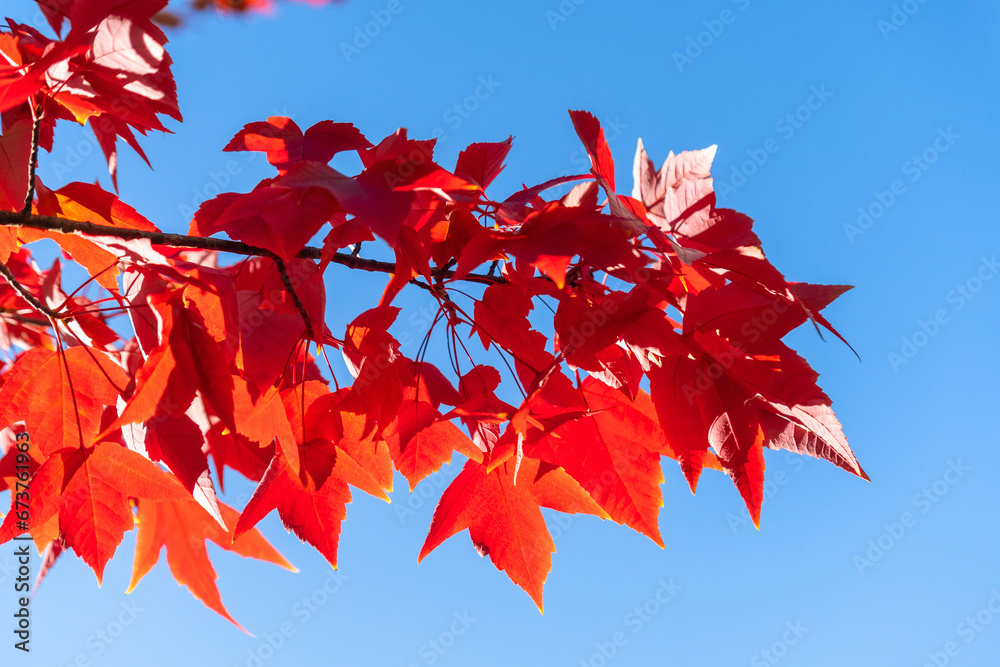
(61, 395)
(182, 527)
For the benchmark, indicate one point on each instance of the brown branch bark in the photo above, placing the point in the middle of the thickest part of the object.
(25, 218)
(25, 294)
(16, 317)
(24, 213)
(65, 226)
(29, 196)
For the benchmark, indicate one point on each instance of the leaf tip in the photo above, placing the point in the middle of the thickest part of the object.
(692, 473)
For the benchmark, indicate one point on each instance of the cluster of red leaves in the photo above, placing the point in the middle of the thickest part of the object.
(667, 325)
(111, 71)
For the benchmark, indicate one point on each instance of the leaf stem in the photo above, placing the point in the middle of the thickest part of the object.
(287, 281)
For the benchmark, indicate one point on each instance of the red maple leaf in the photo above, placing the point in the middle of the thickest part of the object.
(503, 517)
(182, 527)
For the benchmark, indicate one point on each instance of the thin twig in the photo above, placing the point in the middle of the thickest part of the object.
(286, 279)
(21, 319)
(36, 126)
(25, 294)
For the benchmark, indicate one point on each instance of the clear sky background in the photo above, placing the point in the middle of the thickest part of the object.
(842, 572)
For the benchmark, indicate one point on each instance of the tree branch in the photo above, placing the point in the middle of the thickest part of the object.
(53, 224)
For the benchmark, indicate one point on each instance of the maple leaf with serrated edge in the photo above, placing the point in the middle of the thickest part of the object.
(312, 500)
(186, 361)
(312, 510)
(284, 143)
(483, 162)
(503, 517)
(61, 395)
(614, 453)
(88, 491)
(182, 527)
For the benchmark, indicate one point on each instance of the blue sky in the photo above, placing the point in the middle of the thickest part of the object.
(890, 109)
